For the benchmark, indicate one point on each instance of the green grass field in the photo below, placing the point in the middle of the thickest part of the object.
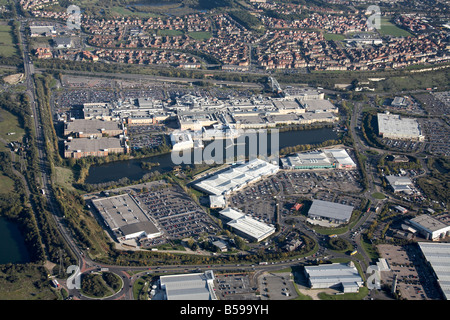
(7, 47)
(64, 177)
(125, 12)
(388, 28)
(31, 283)
(6, 184)
(333, 36)
(200, 35)
(378, 195)
(8, 124)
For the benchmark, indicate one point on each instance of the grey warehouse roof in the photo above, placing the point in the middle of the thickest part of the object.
(330, 210)
(145, 226)
(438, 255)
(194, 286)
(92, 145)
(328, 275)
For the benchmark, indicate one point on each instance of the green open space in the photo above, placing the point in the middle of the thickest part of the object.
(7, 47)
(125, 12)
(100, 285)
(333, 36)
(200, 35)
(388, 28)
(25, 282)
(10, 129)
(378, 195)
(6, 184)
(363, 291)
(64, 177)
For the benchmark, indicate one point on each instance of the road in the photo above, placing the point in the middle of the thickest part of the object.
(44, 169)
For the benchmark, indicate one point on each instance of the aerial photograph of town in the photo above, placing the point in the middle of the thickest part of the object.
(235, 153)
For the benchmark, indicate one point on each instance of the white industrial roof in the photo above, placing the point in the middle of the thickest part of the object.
(341, 156)
(236, 176)
(217, 201)
(122, 212)
(316, 158)
(319, 158)
(438, 255)
(428, 223)
(332, 274)
(399, 183)
(194, 286)
(394, 125)
(318, 105)
(398, 180)
(245, 224)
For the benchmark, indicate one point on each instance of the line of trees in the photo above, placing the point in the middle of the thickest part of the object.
(144, 258)
(305, 147)
(50, 240)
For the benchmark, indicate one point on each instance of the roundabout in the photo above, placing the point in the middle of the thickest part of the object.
(100, 285)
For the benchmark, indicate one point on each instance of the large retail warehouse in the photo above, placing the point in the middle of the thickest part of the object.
(246, 226)
(319, 159)
(334, 212)
(236, 177)
(437, 256)
(394, 126)
(123, 215)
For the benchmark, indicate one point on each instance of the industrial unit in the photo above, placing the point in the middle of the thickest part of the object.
(123, 215)
(438, 257)
(332, 211)
(319, 106)
(193, 286)
(94, 137)
(429, 227)
(395, 127)
(319, 159)
(96, 147)
(246, 226)
(344, 277)
(400, 184)
(236, 177)
(85, 128)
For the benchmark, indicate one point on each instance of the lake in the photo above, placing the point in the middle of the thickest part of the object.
(12, 245)
(132, 168)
